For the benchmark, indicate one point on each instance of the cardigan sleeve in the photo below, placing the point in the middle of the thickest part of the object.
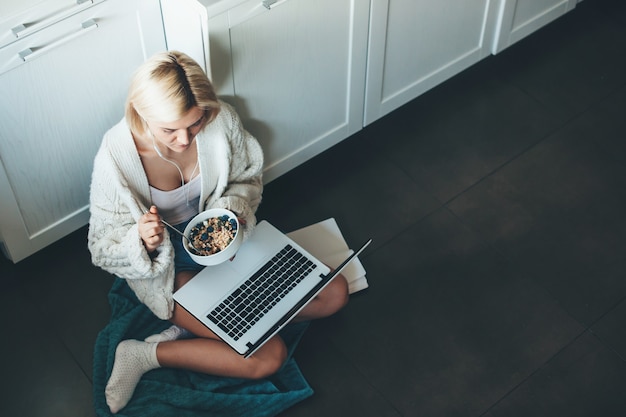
(244, 189)
(114, 241)
(113, 236)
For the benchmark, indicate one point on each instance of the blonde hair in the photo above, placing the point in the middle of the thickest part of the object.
(164, 88)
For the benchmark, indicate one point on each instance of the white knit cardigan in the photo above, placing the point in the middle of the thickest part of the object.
(230, 162)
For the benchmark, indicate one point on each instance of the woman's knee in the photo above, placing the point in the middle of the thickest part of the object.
(338, 295)
(270, 360)
(183, 277)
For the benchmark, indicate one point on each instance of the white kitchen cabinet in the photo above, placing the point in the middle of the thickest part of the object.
(63, 78)
(294, 69)
(416, 44)
(302, 74)
(519, 18)
(19, 19)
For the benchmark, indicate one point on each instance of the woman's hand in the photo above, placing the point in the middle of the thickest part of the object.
(151, 229)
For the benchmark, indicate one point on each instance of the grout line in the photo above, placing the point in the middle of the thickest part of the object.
(362, 376)
(535, 372)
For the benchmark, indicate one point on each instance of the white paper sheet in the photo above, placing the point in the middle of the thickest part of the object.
(325, 241)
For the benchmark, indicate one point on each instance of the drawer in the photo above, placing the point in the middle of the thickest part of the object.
(47, 39)
(35, 18)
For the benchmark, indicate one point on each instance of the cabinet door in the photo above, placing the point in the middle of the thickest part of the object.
(295, 72)
(62, 88)
(417, 44)
(21, 18)
(519, 18)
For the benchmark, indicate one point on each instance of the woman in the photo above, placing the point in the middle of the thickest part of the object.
(179, 150)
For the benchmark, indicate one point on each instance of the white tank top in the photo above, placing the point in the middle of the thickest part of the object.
(178, 205)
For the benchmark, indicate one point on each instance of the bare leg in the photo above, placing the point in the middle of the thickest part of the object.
(133, 358)
(222, 360)
(207, 353)
(214, 357)
(330, 300)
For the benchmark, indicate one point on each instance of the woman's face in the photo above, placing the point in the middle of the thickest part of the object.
(178, 136)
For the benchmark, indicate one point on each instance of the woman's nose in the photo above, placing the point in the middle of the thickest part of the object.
(184, 137)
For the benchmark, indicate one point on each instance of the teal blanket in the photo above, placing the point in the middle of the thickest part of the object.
(171, 392)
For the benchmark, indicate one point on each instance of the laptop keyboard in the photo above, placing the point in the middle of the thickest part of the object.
(236, 314)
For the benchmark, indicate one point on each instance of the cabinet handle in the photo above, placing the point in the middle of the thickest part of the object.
(31, 53)
(268, 3)
(17, 29)
(24, 29)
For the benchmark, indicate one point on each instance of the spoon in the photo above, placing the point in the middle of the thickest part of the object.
(182, 234)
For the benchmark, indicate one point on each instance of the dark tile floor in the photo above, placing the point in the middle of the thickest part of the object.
(496, 202)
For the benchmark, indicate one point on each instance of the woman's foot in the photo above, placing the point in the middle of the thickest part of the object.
(171, 333)
(133, 358)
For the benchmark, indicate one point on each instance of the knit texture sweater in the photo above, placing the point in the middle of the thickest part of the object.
(230, 163)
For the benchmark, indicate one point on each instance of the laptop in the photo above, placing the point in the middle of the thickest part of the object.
(248, 300)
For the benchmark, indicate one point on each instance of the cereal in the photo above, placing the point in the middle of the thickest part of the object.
(213, 235)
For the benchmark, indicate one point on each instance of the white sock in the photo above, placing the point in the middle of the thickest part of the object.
(132, 359)
(171, 333)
